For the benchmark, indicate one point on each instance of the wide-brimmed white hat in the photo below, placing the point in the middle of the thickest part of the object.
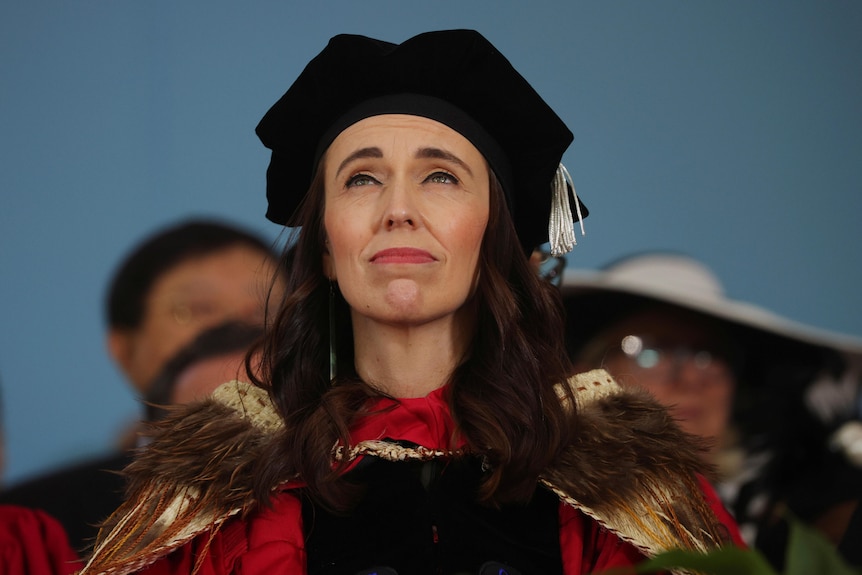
(682, 281)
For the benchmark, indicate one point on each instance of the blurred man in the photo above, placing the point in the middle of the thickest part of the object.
(174, 285)
(178, 283)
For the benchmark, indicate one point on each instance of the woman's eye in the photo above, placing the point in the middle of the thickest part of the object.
(360, 180)
(442, 178)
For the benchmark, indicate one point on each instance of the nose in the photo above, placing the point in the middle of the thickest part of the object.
(697, 370)
(685, 374)
(401, 209)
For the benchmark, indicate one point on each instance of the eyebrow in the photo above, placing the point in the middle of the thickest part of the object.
(423, 153)
(443, 155)
(372, 152)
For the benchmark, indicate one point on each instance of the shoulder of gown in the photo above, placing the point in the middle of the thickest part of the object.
(657, 501)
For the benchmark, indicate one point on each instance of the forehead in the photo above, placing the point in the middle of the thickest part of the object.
(672, 325)
(388, 129)
(233, 264)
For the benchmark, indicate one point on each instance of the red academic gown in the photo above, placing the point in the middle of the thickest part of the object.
(34, 543)
(272, 542)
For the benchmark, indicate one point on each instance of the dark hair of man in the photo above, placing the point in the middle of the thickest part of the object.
(502, 397)
(228, 337)
(168, 248)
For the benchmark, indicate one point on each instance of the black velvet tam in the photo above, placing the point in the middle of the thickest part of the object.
(455, 77)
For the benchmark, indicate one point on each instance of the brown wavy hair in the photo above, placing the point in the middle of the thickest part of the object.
(502, 397)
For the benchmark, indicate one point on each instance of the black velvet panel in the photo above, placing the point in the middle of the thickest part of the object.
(422, 518)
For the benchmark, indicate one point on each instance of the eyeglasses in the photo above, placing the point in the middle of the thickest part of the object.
(204, 311)
(195, 311)
(662, 361)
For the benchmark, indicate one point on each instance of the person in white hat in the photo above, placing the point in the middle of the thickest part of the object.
(777, 402)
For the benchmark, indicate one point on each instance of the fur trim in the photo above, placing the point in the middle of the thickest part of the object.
(628, 441)
(194, 474)
(197, 472)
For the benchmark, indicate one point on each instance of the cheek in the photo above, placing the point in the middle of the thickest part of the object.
(338, 237)
(156, 344)
(342, 246)
(169, 342)
(464, 235)
(723, 395)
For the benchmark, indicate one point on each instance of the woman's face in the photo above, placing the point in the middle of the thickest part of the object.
(406, 207)
(682, 360)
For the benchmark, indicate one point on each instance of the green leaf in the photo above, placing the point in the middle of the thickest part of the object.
(725, 561)
(809, 552)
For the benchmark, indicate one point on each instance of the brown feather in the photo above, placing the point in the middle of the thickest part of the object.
(632, 463)
(201, 455)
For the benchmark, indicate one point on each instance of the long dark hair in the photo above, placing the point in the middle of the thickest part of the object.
(503, 397)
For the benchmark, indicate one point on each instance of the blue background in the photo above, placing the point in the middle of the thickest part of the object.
(731, 130)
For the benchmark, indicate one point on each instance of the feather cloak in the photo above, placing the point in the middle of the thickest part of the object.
(630, 469)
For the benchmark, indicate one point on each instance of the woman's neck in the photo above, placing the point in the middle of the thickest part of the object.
(410, 360)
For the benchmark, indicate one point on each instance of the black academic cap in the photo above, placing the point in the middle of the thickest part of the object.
(456, 77)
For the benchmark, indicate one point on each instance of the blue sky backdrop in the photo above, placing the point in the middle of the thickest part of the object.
(729, 130)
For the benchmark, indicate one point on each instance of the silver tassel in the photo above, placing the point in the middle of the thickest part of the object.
(561, 228)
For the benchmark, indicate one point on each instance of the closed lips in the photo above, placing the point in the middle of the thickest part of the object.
(402, 256)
